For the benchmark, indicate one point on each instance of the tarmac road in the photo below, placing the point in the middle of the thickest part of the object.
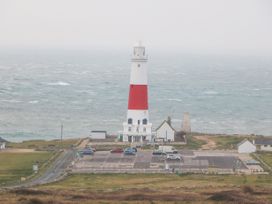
(56, 171)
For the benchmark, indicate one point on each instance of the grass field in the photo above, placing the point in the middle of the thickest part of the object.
(148, 188)
(266, 157)
(102, 182)
(227, 141)
(44, 144)
(13, 166)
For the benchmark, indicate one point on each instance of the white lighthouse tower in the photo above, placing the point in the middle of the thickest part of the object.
(137, 128)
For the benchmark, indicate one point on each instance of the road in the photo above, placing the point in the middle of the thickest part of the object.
(55, 172)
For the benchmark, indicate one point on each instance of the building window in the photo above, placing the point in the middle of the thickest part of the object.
(137, 129)
(129, 129)
(139, 122)
(144, 129)
(139, 65)
(145, 121)
(130, 121)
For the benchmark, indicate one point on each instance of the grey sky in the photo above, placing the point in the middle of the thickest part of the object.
(202, 26)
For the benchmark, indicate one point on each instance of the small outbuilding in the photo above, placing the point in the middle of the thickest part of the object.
(98, 134)
(246, 146)
(263, 144)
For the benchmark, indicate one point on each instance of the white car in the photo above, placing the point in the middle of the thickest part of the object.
(173, 157)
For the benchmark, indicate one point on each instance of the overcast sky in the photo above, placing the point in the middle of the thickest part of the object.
(201, 26)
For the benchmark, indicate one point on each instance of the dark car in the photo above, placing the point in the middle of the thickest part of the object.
(129, 151)
(86, 152)
(117, 150)
(134, 148)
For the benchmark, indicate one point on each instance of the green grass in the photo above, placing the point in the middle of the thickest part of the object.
(105, 182)
(43, 144)
(228, 141)
(266, 157)
(13, 166)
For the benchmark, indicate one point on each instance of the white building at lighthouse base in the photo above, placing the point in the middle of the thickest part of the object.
(137, 127)
(135, 133)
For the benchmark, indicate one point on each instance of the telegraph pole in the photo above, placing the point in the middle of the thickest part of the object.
(61, 135)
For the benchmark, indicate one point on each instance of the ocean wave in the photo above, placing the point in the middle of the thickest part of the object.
(11, 101)
(210, 92)
(33, 102)
(59, 83)
(174, 99)
(111, 120)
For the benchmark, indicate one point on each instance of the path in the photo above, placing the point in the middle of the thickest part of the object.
(210, 144)
(56, 171)
(83, 143)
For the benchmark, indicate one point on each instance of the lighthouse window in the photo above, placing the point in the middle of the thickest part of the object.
(145, 121)
(130, 121)
(139, 65)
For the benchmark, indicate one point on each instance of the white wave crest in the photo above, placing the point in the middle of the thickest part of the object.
(174, 99)
(59, 83)
(33, 102)
(210, 92)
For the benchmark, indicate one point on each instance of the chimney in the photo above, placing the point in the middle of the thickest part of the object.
(169, 120)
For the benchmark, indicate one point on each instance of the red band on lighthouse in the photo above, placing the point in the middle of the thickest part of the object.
(138, 97)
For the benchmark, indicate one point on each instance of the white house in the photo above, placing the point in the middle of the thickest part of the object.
(2, 145)
(263, 144)
(165, 132)
(246, 147)
(98, 134)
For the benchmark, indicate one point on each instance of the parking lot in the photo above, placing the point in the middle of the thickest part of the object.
(145, 162)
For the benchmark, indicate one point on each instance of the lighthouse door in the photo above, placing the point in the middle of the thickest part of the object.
(129, 138)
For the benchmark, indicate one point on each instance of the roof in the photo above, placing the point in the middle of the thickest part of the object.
(100, 131)
(2, 140)
(165, 121)
(243, 141)
(263, 141)
(252, 162)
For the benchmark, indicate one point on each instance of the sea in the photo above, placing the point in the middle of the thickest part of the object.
(87, 90)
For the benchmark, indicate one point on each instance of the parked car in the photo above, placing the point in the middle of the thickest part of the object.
(168, 149)
(173, 157)
(86, 152)
(158, 152)
(135, 149)
(129, 151)
(117, 150)
(90, 147)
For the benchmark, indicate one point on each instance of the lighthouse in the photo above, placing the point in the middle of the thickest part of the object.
(137, 127)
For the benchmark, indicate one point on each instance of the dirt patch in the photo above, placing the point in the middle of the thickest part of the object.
(246, 194)
(209, 143)
(236, 197)
(27, 191)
